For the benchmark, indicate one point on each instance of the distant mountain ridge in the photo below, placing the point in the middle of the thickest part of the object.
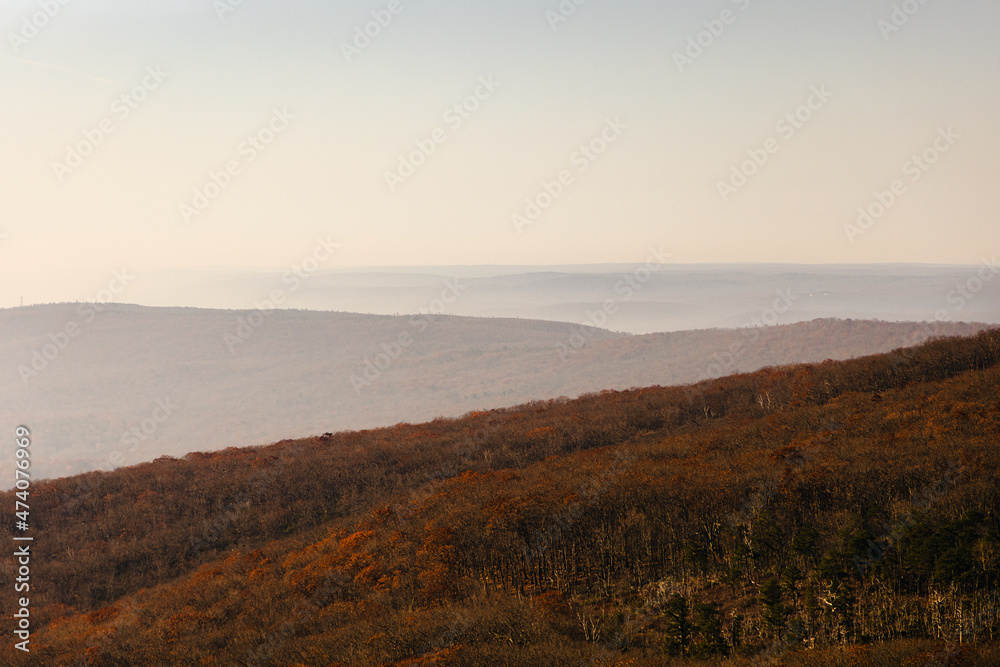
(131, 383)
(666, 296)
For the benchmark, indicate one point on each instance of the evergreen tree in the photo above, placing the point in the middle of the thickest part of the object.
(775, 613)
(709, 627)
(678, 630)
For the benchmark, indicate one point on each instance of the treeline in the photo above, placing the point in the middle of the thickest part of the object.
(810, 507)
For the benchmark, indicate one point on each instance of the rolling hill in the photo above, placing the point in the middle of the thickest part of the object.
(846, 512)
(134, 383)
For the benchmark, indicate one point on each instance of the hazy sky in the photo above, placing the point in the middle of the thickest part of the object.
(183, 84)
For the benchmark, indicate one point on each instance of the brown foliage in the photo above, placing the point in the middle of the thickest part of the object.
(524, 536)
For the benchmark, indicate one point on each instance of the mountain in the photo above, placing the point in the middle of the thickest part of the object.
(106, 385)
(845, 512)
(650, 296)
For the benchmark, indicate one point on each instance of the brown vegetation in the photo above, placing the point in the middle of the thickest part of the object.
(843, 512)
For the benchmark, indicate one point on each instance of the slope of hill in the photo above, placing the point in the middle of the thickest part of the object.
(846, 512)
(129, 384)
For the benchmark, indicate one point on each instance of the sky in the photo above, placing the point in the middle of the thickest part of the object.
(234, 135)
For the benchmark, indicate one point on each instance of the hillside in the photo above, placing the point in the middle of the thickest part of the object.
(136, 383)
(836, 513)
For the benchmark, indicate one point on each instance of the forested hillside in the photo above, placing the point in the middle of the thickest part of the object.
(138, 383)
(843, 513)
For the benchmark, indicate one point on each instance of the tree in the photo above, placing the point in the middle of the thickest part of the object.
(790, 578)
(709, 627)
(678, 630)
(843, 605)
(775, 613)
(804, 543)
